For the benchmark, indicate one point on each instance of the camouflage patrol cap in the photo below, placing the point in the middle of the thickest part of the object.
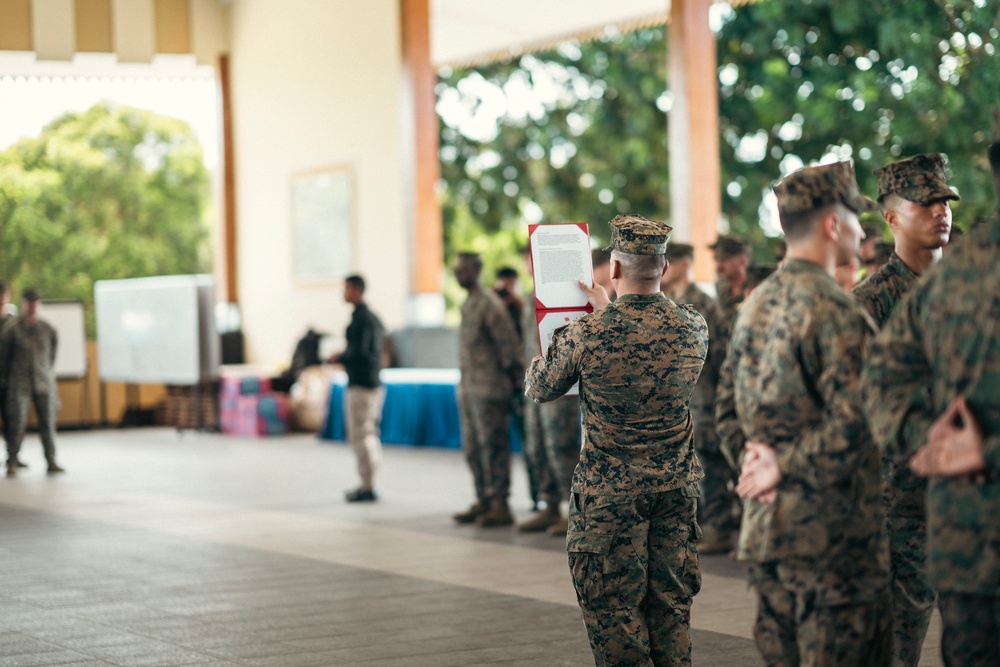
(677, 251)
(919, 179)
(636, 235)
(811, 188)
(729, 246)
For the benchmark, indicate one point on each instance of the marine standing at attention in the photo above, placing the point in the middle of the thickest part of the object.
(715, 512)
(632, 513)
(489, 358)
(932, 388)
(913, 196)
(789, 411)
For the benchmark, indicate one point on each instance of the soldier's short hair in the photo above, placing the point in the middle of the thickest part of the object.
(640, 268)
(31, 294)
(507, 272)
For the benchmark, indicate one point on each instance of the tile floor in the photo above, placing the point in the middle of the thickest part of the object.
(167, 548)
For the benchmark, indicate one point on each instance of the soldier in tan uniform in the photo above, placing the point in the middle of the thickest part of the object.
(789, 411)
(913, 195)
(932, 388)
(632, 524)
(715, 512)
(489, 358)
(28, 344)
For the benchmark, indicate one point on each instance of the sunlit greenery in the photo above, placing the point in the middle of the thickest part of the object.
(113, 192)
(579, 133)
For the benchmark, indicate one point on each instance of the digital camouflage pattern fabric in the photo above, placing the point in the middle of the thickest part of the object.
(903, 494)
(637, 362)
(636, 235)
(716, 498)
(919, 179)
(811, 188)
(970, 629)
(881, 292)
(942, 342)
(489, 350)
(791, 380)
(635, 569)
(632, 524)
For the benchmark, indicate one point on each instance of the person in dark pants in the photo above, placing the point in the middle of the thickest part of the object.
(363, 360)
(28, 345)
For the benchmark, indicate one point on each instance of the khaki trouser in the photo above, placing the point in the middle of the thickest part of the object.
(364, 411)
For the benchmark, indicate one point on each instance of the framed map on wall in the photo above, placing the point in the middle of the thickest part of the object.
(323, 225)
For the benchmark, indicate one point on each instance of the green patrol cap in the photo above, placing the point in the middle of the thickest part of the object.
(811, 188)
(636, 235)
(919, 179)
(677, 251)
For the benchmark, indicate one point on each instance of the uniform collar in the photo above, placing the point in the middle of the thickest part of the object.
(640, 298)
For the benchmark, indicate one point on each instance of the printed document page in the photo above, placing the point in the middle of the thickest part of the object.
(560, 254)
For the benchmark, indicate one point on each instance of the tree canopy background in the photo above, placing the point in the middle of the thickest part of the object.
(580, 133)
(113, 192)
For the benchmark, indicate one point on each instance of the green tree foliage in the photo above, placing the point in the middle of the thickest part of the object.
(872, 81)
(113, 192)
(579, 133)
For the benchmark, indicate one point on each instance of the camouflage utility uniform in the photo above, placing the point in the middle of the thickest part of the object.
(919, 179)
(717, 497)
(551, 434)
(28, 358)
(790, 380)
(489, 358)
(944, 341)
(632, 524)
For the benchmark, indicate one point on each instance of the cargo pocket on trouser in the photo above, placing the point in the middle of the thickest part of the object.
(587, 554)
(690, 571)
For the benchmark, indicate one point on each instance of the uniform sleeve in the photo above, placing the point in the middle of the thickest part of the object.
(500, 326)
(895, 384)
(55, 345)
(727, 423)
(831, 453)
(551, 376)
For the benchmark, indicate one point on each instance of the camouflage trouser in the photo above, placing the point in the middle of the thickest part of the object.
(486, 444)
(912, 596)
(540, 481)
(635, 569)
(970, 633)
(717, 497)
(795, 627)
(16, 415)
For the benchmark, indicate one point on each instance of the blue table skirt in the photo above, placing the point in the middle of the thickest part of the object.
(420, 409)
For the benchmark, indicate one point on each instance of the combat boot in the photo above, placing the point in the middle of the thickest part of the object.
(498, 515)
(541, 521)
(471, 514)
(559, 528)
(12, 469)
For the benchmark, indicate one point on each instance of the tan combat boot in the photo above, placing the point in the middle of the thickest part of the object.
(541, 521)
(498, 515)
(471, 514)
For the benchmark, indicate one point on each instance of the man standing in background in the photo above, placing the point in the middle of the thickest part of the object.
(363, 360)
(28, 345)
(789, 411)
(913, 196)
(489, 358)
(715, 514)
(732, 257)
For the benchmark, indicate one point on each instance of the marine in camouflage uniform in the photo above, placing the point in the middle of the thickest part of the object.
(28, 346)
(551, 444)
(632, 524)
(913, 196)
(934, 372)
(715, 511)
(788, 396)
(489, 358)
(732, 258)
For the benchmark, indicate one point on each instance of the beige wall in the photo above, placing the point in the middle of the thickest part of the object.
(315, 83)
